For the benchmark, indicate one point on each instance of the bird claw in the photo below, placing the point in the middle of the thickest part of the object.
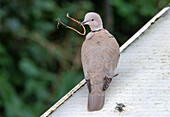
(115, 75)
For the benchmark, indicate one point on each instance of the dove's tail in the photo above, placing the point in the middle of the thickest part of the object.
(96, 101)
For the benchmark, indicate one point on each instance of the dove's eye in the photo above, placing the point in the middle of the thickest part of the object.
(92, 19)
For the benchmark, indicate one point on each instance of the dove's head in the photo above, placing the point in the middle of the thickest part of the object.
(93, 20)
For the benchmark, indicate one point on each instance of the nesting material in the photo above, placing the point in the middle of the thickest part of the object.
(84, 29)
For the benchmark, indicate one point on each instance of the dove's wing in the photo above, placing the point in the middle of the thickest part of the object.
(100, 55)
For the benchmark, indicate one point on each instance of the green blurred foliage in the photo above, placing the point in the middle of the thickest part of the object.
(131, 15)
(38, 63)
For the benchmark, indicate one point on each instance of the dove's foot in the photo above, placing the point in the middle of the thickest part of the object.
(115, 75)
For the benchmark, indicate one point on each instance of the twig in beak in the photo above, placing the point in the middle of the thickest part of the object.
(59, 21)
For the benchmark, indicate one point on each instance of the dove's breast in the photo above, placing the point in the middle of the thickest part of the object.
(99, 56)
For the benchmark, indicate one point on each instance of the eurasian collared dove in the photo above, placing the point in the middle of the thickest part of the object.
(99, 55)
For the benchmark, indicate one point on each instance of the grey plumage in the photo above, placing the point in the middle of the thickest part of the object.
(99, 55)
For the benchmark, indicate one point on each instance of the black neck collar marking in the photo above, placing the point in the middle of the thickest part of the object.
(96, 30)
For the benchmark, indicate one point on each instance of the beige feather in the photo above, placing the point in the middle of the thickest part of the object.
(99, 55)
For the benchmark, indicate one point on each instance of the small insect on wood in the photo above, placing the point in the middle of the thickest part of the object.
(119, 107)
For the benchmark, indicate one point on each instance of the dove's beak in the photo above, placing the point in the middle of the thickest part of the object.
(83, 22)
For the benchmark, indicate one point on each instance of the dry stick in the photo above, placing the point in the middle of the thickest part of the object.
(71, 27)
(77, 22)
(72, 18)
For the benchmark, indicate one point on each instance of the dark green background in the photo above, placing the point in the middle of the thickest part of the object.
(40, 63)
